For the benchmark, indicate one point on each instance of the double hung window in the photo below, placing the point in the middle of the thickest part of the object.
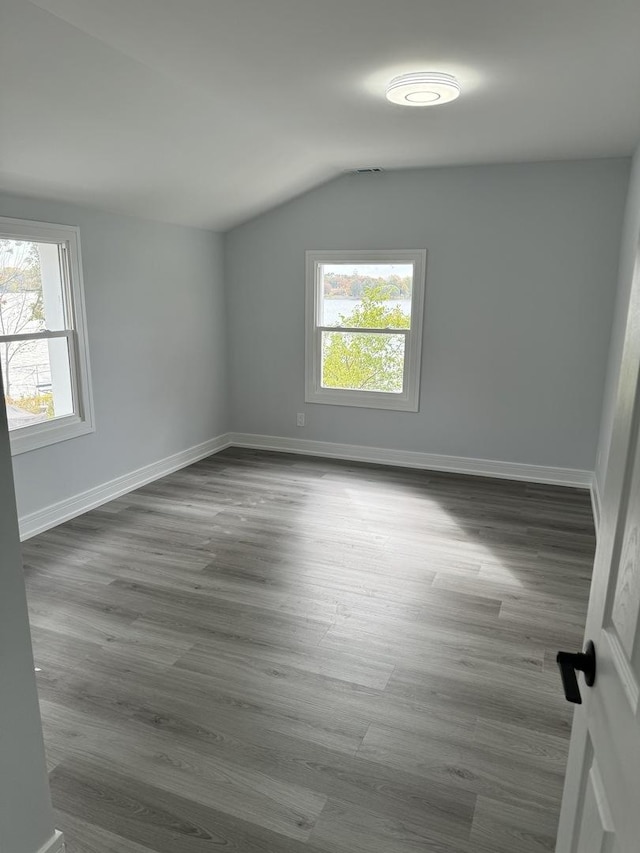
(43, 347)
(364, 328)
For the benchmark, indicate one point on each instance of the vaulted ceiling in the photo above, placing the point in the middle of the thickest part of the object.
(206, 112)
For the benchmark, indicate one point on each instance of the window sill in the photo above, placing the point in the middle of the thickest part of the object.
(364, 399)
(43, 435)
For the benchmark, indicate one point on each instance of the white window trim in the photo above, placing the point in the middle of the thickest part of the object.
(83, 422)
(409, 399)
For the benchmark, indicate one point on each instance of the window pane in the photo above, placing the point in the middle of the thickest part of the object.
(31, 287)
(369, 296)
(364, 362)
(37, 381)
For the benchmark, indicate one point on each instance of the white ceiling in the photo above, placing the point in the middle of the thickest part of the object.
(206, 112)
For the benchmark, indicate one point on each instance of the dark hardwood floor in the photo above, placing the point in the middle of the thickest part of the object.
(273, 653)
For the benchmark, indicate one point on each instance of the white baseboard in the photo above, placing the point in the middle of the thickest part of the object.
(55, 844)
(416, 459)
(51, 516)
(595, 502)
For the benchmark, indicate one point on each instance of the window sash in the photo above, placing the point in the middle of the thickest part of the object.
(36, 336)
(364, 392)
(357, 330)
(72, 350)
(319, 299)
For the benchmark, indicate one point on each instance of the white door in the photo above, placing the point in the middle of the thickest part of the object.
(601, 803)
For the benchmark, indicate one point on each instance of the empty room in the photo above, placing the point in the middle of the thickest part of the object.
(320, 363)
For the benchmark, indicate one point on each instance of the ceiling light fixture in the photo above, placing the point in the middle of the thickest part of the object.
(423, 89)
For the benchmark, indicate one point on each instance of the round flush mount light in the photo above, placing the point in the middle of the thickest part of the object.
(423, 89)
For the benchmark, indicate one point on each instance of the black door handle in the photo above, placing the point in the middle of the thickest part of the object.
(570, 664)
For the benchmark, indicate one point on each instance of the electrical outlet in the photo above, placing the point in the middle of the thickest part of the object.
(300, 419)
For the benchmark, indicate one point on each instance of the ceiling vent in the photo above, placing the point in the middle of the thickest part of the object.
(369, 171)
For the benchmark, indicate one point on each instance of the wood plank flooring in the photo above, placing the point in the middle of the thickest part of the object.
(273, 654)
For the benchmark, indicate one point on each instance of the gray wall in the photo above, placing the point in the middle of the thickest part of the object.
(156, 321)
(520, 292)
(26, 818)
(628, 249)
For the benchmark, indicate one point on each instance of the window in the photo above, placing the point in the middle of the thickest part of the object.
(43, 349)
(364, 328)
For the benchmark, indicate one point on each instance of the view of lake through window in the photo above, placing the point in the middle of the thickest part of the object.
(333, 308)
(365, 296)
